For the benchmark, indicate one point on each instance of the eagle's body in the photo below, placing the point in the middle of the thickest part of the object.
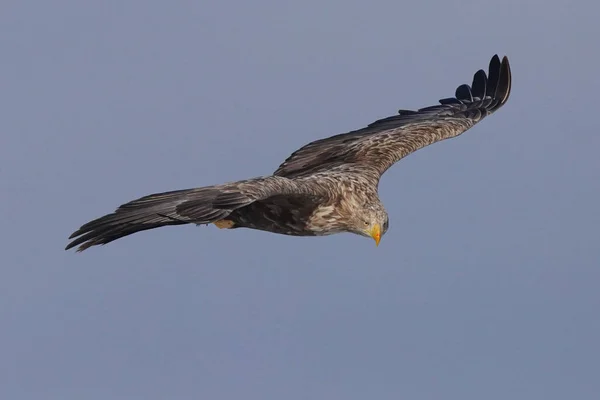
(326, 187)
(320, 205)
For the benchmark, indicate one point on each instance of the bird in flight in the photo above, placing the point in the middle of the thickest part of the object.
(326, 187)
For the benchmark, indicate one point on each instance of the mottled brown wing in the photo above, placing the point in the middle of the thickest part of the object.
(386, 141)
(192, 206)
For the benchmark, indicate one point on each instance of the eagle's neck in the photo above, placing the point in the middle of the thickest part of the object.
(340, 214)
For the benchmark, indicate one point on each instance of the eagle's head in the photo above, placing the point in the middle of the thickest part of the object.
(371, 221)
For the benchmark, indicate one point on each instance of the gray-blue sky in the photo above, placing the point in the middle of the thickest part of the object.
(485, 287)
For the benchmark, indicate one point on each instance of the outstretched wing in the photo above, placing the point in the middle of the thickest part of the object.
(191, 206)
(388, 140)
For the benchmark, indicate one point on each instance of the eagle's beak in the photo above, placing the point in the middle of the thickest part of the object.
(376, 233)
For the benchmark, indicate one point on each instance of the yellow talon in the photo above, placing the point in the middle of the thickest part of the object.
(224, 224)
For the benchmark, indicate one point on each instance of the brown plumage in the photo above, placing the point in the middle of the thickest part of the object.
(325, 187)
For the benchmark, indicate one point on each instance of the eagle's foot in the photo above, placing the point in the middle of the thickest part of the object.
(224, 224)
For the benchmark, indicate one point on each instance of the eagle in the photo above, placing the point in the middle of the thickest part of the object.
(327, 186)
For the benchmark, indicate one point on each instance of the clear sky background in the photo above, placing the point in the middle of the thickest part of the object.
(485, 287)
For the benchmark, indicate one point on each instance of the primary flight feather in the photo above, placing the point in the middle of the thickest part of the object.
(326, 187)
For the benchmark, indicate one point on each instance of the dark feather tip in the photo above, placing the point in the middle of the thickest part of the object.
(463, 92)
(479, 84)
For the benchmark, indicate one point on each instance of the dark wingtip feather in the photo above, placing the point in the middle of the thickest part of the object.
(115, 226)
(504, 81)
(489, 92)
(463, 92)
(478, 88)
(148, 212)
(493, 75)
(450, 100)
(485, 96)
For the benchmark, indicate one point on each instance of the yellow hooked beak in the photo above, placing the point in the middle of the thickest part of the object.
(376, 233)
